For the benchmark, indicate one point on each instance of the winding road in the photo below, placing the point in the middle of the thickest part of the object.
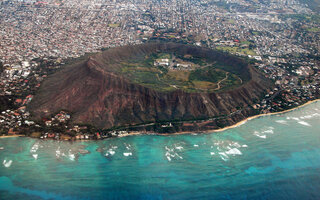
(218, 88)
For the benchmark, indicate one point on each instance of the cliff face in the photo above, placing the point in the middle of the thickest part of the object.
(94, 93)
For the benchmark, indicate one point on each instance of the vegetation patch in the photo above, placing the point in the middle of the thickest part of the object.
(169, 71)
(314, 29)
(239, 50)
(113, 25)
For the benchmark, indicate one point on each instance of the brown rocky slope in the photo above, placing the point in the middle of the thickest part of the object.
(95, 93)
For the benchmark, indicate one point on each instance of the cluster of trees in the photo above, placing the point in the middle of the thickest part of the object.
(210, 74)
(1, 67)
(6, 102)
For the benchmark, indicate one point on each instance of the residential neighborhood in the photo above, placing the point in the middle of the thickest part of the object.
(38, 38)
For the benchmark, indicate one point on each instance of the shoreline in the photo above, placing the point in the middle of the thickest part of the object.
(201, 132)
(11, 136)
(236, 124)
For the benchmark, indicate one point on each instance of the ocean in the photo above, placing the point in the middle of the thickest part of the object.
(271, 157)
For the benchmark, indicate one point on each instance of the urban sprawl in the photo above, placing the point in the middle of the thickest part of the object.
(279, 37)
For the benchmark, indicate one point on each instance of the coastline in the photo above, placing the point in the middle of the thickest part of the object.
(262, 115)
(11, 136)
(242, 121)
(201, 132)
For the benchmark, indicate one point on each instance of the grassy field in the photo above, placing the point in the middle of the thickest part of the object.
(314, 29)
(207, 74)
(204, 85)
(178, 75)
(304, 17)
(203, 77)
(234, 50)
(164, 56)
(113, 25)
(246, 42)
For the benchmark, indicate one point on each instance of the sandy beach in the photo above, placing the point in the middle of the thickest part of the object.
(131, 133)
(241, 122)
(207, 131)
(10, 136)
(261, 115)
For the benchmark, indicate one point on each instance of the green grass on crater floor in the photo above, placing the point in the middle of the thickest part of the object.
(202, 76)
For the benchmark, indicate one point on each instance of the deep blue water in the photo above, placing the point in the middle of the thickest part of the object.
(272, 157)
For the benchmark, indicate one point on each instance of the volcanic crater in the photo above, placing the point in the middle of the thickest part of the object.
(100, 92)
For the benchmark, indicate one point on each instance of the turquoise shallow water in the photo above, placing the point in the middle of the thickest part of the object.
(272, 157)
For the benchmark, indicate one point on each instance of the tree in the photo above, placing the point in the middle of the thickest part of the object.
(1, 67)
